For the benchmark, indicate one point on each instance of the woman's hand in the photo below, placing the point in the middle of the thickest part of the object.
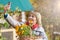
(7, 7)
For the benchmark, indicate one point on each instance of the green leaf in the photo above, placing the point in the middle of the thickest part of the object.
(6, 25)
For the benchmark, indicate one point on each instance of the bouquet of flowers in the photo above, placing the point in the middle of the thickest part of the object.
(23, 31)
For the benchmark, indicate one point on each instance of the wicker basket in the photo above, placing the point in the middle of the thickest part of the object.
(29, 37)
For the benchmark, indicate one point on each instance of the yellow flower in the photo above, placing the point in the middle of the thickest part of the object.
(24, 25)
(18, 33)
(31, 21)
(16, 28)
(22, 31)
(21, 27)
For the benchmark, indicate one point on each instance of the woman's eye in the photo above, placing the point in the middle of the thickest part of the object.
(32, 16)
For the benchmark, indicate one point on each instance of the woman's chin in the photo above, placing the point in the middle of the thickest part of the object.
(30, 24)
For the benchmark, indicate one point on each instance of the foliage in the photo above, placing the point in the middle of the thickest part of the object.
(1, 24)
(2, 38)
(6, 25)
(1, 7)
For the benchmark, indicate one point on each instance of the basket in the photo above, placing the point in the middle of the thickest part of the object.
(28, 37)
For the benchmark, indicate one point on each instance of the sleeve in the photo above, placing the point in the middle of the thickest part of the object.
(40, 31)
(23, 17)
(11, 20)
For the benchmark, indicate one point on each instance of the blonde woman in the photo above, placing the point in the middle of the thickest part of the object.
(34, 21)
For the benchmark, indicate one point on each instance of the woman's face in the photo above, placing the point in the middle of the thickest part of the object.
(32, 19)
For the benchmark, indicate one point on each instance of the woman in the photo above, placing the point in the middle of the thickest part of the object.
(34, 21)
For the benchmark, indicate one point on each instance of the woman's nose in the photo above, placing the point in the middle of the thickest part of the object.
(30, 18)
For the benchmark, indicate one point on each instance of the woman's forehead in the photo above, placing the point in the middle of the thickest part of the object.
(32, 14)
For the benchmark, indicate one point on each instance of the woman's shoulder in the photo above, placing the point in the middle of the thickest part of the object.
(40, 28)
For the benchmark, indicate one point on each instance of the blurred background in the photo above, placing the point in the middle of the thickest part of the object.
(50, 12)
